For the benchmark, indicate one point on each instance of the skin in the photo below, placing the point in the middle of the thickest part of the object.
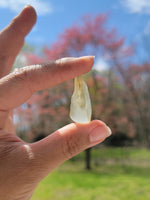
(23, 165)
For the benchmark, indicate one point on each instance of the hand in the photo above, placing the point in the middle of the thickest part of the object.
(23, 165)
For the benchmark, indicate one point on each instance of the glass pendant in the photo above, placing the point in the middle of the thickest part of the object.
(80, 108)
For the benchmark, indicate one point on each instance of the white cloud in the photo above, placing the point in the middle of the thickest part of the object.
(101, 64)
(42, 7)
(137, 6)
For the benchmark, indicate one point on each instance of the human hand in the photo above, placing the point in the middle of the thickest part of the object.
(23, 165)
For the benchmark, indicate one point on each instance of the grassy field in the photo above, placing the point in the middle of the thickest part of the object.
(117, 174)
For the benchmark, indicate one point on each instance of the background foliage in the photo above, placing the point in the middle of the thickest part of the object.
(120, 93)
(120, 97)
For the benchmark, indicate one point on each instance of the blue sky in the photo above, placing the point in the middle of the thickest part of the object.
(130, 17)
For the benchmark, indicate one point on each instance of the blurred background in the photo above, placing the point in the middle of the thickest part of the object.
(117, 32)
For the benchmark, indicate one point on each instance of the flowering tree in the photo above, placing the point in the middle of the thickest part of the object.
(136, 97)
(91, 36)
(108, 90)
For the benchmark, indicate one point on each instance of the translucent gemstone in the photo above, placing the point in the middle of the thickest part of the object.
(80, 108)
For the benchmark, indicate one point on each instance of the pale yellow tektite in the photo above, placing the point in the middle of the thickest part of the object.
(80, 108)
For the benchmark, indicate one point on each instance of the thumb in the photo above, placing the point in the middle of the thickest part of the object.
(66, 143)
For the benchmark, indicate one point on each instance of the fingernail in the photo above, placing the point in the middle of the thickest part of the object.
(28, 5)
(87, 57)
(100, 133)
(109, 131)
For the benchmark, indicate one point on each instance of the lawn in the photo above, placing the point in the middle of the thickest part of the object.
(117, 174)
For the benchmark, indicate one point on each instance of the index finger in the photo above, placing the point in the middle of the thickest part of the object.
(18, 86)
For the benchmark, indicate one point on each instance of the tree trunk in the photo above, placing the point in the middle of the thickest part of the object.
(88, 158)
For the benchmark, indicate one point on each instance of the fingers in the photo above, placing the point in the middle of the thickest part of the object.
(18, 86)
(66, 143)
(12, 38)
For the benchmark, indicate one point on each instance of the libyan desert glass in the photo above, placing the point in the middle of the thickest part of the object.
(80, 108)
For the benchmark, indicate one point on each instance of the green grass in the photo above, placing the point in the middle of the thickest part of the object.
(117, 174)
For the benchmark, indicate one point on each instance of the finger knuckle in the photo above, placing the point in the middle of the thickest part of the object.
(21, 75)
(70, 147)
